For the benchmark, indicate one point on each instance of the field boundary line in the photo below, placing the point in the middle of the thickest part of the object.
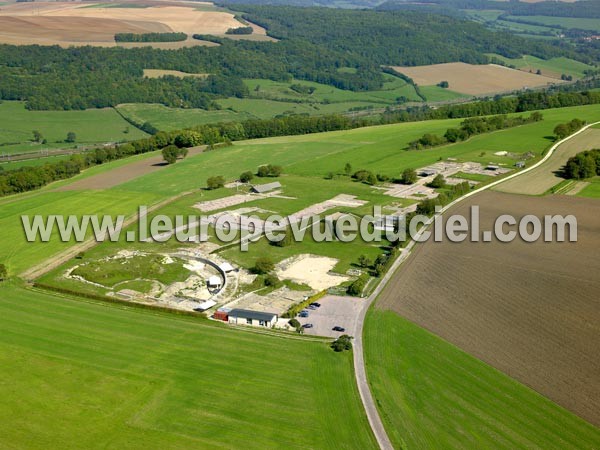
(359, 362)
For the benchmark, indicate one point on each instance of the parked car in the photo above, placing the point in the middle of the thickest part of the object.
(307, 325)
(340, 329)
(318, 305)
(311, 307)
(303, 314)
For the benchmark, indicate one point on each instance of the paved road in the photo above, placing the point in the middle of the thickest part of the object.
(359, 363)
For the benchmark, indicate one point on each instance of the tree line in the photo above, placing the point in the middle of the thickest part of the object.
(150, 37)
(471, 127)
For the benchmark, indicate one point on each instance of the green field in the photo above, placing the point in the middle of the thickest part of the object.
(380, 149)
(169, 119)
(592, 190)
(432, 395)
(88, 375)
(556, 66)
(271, 98)
(91, 126)
(565, 22)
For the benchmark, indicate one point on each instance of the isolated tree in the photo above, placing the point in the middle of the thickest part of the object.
(170, 154)
(344, 342)
(246, 177)
(263, 265)
(364, 261)
(215, 182)
(372, 179)
(438, 182)
(3, 272)
(409, 176)
(561, 131)
(444, 84)
(71, 137)
(37, 136)
(271, 280)
(348, 169)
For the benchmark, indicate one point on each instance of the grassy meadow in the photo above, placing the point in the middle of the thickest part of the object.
(314, 156)
(553, 66)
(89, 375)
(432, 395)
(592, 190)
(91, 126)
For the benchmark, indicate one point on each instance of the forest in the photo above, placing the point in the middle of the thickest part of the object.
(309, 49)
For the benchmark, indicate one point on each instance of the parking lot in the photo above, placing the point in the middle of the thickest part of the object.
(334, 311)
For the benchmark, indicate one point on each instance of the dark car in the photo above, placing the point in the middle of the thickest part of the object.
(307, 325)
(315, 304)
(311, 307)
(303, 314)
(340, 329)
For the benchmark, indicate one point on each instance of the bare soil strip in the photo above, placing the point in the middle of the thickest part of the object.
(123, 174)
(530, 310)
(475, 79)
(544, 177)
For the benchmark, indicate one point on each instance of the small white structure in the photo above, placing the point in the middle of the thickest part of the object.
(252, 318)
(263, 188)
(214, 282)
(205, 305)
(226, 267)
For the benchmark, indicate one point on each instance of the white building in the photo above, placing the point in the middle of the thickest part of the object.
(252, 318)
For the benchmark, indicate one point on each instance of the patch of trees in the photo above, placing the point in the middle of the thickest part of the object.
(269, 170)
(583, 165)
(471, 127)
(239, 30)
(3, 272)
(563, 130)
(150, 37)
(427, 206)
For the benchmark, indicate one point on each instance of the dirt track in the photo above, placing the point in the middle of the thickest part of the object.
(543, 177)
(530, 310)
(123, 174)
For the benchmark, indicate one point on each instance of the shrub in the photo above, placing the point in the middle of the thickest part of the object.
(438, 182)
(263, 266)
(409, 176)
(246, 177)
(215, 182)
(344, 342)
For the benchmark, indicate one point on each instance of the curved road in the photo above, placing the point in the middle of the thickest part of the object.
(359, 360)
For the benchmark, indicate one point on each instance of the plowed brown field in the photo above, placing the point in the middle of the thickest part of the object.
(475, 79)
(85, 23)
(532, 310)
